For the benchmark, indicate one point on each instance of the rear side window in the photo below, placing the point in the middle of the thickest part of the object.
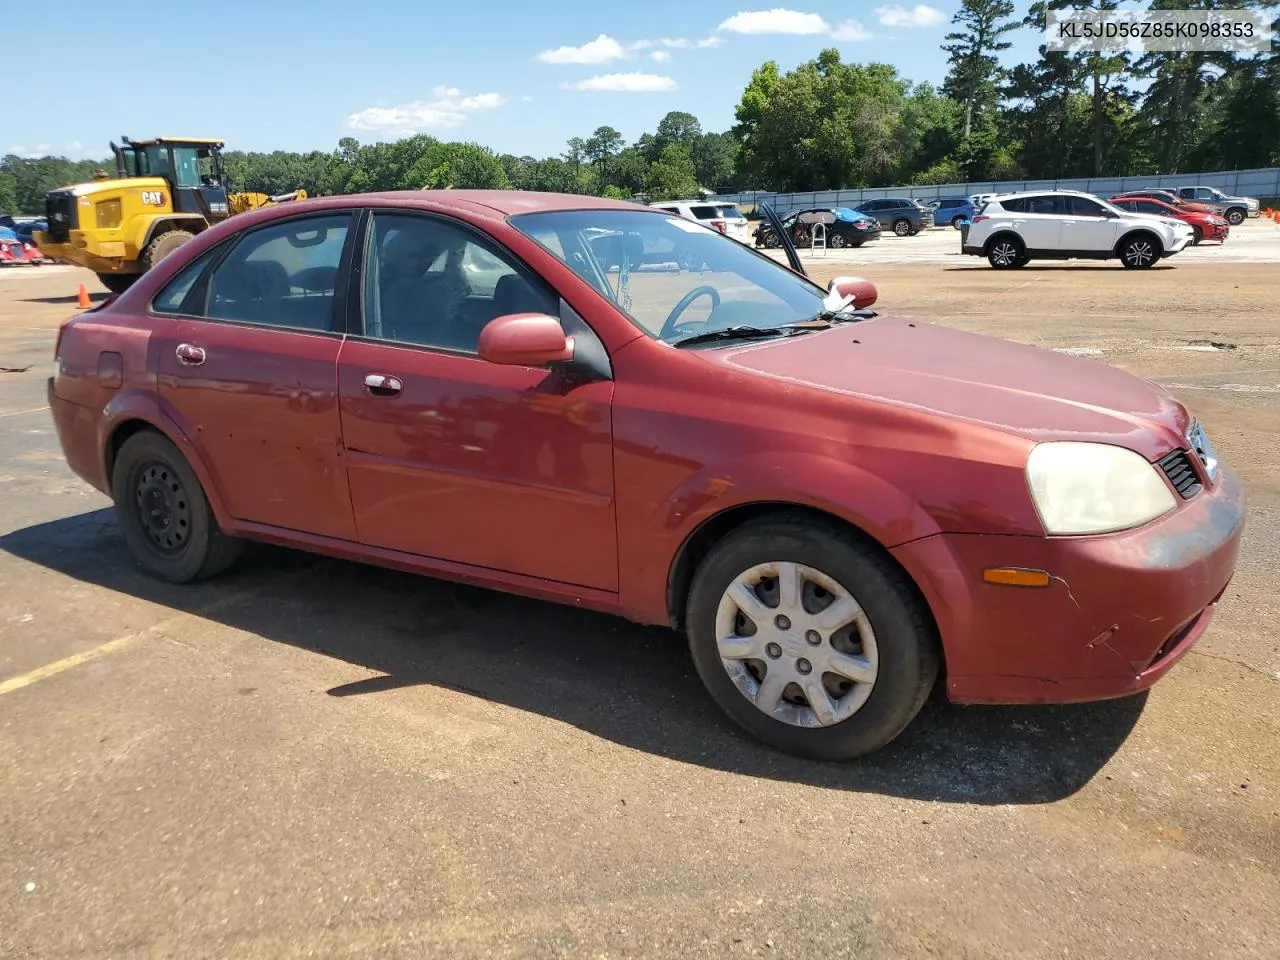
(174, 294)
(283, 275)
(705, 213)
(1014, 204)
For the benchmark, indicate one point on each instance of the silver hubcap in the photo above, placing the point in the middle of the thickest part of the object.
(796, 644)
(1140, 253)
(1005, 254)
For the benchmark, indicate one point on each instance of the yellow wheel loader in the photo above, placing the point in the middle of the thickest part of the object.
(165, 192)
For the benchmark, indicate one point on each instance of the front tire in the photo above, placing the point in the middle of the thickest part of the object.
(1235, 217)
(1196, 236)
(837, 241)
(117, 282)
(164, 515)
(810, 639)
(1140, 252)
(163, 245)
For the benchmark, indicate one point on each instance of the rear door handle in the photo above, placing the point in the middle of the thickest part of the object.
(190, 355)
(382, 385)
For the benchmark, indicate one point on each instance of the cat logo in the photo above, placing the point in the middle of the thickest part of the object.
(153, 198)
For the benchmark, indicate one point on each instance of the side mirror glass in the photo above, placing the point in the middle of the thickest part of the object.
(525, 340)
(863, 291)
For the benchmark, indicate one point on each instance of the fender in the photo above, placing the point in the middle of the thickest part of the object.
(838, 488)
(140, 404)
(140, 239)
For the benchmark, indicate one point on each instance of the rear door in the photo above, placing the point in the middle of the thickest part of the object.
(246, 362)
(1038, 220)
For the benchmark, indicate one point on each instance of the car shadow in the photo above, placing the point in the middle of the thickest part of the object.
(629, 684)
(70, 298)
(1037, 267)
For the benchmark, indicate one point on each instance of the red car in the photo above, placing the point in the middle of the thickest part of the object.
(1204, 226)
(14, 252)
(508, 389)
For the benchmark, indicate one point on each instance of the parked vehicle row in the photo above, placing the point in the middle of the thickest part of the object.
(840, 227)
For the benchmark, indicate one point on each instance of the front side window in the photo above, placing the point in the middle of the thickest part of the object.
(1084, 207)
(282, 275)
(433, 283)
(631, 259)
(175, 292)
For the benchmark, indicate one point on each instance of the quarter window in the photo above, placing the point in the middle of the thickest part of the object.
(433, 283)
(283, 275)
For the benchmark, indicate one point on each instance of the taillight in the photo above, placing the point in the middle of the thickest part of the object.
(978, 218)
(719, 225)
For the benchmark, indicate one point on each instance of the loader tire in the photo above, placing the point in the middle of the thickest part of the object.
(163, 245)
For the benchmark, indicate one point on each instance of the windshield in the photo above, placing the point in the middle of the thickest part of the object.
(673, 278)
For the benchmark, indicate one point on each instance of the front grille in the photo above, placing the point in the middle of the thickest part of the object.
(60, 210)
(1177, 466)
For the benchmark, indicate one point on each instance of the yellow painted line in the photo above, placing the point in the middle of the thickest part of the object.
(18, 413)
(111, 646)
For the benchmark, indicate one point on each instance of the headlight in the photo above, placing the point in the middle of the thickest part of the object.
(1094, 488)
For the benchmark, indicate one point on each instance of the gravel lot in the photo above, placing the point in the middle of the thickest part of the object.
(313, 758)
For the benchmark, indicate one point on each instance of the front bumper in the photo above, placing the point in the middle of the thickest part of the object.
(1120, 610)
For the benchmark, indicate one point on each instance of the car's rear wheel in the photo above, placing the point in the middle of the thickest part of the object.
(117, 282)
(810, 639)
(902, 227)
(1235, 216)
(957, 221)
(1140, 252)
(1004, 253)
(164, 515)
(771, 240)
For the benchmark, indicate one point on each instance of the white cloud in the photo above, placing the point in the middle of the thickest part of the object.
(660, 55)
(778, 20)
(707, 42)
(920, 15)
(526, 99)
(850, 31)
(446, 108)
(602, 49)
(624, 83)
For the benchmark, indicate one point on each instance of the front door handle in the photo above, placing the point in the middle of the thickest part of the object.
(190, 355)
(382, 385)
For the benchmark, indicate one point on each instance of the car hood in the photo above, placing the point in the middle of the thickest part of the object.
(1027, 391)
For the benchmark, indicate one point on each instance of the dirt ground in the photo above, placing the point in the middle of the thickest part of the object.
(313, 758)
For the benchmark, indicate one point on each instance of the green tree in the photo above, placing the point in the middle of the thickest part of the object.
(974, 73)
(676, 127)
(672, 176)
(714, 156)
(600, 147)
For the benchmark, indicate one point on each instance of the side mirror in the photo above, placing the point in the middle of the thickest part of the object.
(863, 291)
(525, 340)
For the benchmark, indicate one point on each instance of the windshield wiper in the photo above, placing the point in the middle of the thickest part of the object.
(754, 333)
(843, 315)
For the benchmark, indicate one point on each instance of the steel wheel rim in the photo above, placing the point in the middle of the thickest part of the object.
(796, 644)
(162, 507)
(1139, 253)
(1004, 254)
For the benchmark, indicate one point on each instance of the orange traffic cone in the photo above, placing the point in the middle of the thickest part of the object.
(82, 297)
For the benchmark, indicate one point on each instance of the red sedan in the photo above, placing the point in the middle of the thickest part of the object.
(525, 391)
(1204, 225)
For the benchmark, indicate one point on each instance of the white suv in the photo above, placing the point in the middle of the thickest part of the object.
(724, 217)
(1014, 228)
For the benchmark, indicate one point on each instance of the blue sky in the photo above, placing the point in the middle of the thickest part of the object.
(518, 77)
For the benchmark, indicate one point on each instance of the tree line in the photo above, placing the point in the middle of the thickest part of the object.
(831, 124)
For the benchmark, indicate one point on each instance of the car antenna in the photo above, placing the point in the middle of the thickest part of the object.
(793, 258)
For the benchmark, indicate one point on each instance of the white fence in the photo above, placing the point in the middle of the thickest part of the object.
(1264, 184)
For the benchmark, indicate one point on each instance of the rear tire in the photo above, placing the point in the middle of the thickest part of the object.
(163, 245)
(117, 282)
(956, 221)
(890, 640)
(771, 241)
(837, 241)
(1006, 253)
(902, 227)
(164, 515)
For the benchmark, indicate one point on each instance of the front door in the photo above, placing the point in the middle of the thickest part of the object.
(1087, 227)
(449, 456)
(246, 363)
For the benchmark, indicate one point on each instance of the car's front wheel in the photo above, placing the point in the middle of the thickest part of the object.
(1235, 216)
(1006, 252)
(810, 639)
(163, 513)
(1140, 252)
(1197, 235)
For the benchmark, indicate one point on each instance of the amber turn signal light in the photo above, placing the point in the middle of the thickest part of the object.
(1016, 576)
